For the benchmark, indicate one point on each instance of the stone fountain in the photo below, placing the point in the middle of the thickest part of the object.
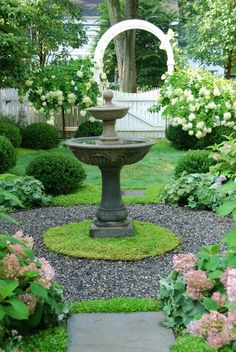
(110, 152)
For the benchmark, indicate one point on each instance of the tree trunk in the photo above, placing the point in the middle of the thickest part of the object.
(125, 44)
(228, 67)
(63, 123)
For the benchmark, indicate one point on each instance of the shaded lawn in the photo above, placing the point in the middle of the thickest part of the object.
(156, 168)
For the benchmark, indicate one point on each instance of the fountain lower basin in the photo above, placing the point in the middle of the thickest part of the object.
(89, 150)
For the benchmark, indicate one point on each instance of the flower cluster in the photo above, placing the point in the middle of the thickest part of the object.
(62, 86)
(216, 327)
(184, 262)
(197, 284)
(197, 101)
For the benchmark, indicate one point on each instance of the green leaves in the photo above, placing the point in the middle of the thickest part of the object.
(7, 288)
(38, 290)
(17, 309)
(210, 304)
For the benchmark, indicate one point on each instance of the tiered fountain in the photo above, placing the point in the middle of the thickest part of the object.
(110, 152)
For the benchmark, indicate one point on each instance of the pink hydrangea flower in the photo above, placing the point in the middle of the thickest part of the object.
(197, 284)
(28, 240)
(224, 277)
(47, 273)
(184, 262)
(29, 267)
(231, 285)
(17, 249)
(215, 327)
(219, 299)
(11, 266)
(29, 299)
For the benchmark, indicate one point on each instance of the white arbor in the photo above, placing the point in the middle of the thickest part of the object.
(123, 26)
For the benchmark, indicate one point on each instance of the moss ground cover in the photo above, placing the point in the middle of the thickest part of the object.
(73, 240)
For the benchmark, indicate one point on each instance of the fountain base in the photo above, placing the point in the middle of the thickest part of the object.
(100, 229)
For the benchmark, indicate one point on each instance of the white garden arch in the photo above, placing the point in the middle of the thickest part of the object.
(123, 26)
(139, 121)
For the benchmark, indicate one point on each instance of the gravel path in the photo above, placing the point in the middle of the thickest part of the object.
(92, 279)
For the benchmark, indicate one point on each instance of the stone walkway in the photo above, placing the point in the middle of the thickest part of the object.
(118, 332)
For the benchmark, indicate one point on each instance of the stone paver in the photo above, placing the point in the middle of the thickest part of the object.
(117, 332)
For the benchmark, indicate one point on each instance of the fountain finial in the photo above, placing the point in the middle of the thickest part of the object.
(108, 96)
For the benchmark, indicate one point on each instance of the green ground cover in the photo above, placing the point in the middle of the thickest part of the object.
(148, 240)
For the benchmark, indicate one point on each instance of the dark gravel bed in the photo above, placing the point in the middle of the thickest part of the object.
(93, 279)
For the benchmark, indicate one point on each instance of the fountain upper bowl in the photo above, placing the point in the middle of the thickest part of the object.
(108, 112)
(91, 151)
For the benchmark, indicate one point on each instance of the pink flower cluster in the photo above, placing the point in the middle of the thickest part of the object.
(229, 280)
(29, 299)
(16, 263)
(216, 327)
(219, 299)
(197, 284)
(184, 262)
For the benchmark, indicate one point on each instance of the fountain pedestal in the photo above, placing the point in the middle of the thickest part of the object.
(112, 216)
(110, 152)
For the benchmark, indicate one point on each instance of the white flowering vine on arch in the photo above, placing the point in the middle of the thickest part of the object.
(123, 26)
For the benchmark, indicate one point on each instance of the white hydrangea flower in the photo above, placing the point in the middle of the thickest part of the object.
(227, 116)
(88, 85)
(191, 132)
(71, 98)
(43, 97)
(163, 77)
(178, 91)
(187, 93)
(82, 113)
(234, 105)
(99, 101)
(79, 74)
(209, 130)
(28, 83)
(192, 117)
(216, 92)
(170, 34)
(228, 105)
(87, 101)
(39, 91)
(53, 76)
(190, 99)
(185, 127)
(174, 101)
(92, 80)
(72, 82)
(91, 119)
(199, 134)
(103, 76)
(44, 103)
(201, 125)
(211, 105)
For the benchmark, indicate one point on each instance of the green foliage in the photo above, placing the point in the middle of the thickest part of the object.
(39, 135)
(61, 85)
(52, 36)
(59, 173)
(11, 132)
(179, 309)
(7, 154)
(54, 339)
(29, 297)
(89, 128)
(12, 120)
(15, 44)
(116, 305)
(197, 101)
(187, 343)
(209, 29)
(225, 156)
(217, 136)
(180, 139)
(197, 191)
(29, 192)
(73, 239)
(197, 161)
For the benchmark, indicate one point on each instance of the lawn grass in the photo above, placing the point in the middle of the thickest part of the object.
(116, 305)
(91, 194)
(73, 239)
(156, 168)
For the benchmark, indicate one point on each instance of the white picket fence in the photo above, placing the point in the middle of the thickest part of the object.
(139, 121)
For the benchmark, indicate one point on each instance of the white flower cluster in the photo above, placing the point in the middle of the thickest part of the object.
(198, 101)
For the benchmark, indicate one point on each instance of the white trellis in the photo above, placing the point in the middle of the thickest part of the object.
(139, 120)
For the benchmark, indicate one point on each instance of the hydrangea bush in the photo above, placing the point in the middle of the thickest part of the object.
(197, 101)
(29, 296)
(200, 293)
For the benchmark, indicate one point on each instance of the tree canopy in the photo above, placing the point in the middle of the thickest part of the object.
(209, 28)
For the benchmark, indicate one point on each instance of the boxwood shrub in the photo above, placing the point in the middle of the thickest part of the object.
(39, 135)
(7, 155)
(59, 173)
(181, 139)
(11, 132)
(88, 129)
(194, 161)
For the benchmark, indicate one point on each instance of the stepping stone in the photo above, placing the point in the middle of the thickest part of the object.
(119, 332)
(133, 193)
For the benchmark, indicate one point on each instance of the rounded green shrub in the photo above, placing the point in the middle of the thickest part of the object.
(11, 132)
(59, 173)
(194, 161)
(88, 129)
(7, 155)
(217, 136)
(181, 139)
(39, 135)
